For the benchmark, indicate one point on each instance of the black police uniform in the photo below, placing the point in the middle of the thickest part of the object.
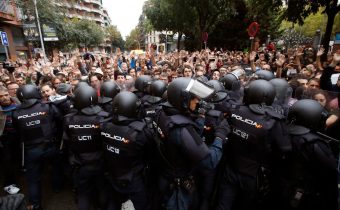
(150, 105)
(308, 178)
(37, 125)
(126, 148)
(180, 144)
(255, 131)
(82, 138)
(182, 150)
(127, 143)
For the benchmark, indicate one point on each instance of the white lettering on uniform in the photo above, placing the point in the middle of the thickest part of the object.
(159, 130)
(114, 137)
(31, 123)
(240, 133)
(112, 149)
(31, 115)
(83, 126)
(84, 138)
(248, 121)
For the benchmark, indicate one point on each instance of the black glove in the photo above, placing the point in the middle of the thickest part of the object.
(222, 130)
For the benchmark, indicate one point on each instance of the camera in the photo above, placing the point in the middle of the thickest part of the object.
(9, 67)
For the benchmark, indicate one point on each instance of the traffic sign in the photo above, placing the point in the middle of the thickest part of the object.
(253, 29)
(4, 39)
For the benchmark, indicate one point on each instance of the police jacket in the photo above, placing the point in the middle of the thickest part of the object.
(126, 145)
(180, 145)
(82, 137)
(312, 169)
(65, 105)
(38, 123)
(255, 131)
(107, 107)
(150, 105)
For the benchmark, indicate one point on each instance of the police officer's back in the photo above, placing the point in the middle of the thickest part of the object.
(180, 145)
(83, 141)
(151, 102)
(256, 130)
(37, 124)
(126, 142)
(142, 85)
(108, 90)
(308, 177)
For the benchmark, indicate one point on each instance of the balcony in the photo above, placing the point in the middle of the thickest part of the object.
(7, 11)
(93, 1)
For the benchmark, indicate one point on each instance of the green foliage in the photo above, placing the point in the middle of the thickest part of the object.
(114, 36)
(217, 17)
(132, 41)
(298, 10)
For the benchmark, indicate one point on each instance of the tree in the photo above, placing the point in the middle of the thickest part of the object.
(114, 36)
(132, 41)
(298, 10)
(312, 23)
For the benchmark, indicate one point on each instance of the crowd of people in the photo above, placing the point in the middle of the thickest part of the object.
(211, 129)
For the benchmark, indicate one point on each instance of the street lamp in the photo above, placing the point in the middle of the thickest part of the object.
(40, 35)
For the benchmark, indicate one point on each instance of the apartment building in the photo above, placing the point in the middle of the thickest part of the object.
(10, 22)
(86, 9)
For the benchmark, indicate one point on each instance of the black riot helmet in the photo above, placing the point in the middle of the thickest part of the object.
(28, 95)
(220, 93)
(259, 92)
(157, 88)
(183, 89)
(85, 96)
(264, 74)
(126, 104)
(108, 90)
(231, 80)
(283, 90)
(81, 84)
(308, 113)
(142, 83)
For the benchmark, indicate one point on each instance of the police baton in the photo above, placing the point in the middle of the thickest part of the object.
(328, 137)
(23, 157)
(61, 145)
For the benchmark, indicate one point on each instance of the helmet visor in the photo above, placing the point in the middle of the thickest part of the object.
(200, 89)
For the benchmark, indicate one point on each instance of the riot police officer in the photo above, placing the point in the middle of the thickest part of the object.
(308, 177)
(283, 94)
(151, 102)
(37, 123)
(126, 142)
(264, 74)
(180, 145)
(83, 140)
(233, 85)
(256, 130)
(108, 90)
(142, 85)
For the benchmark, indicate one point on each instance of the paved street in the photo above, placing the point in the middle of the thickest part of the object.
(64, 200)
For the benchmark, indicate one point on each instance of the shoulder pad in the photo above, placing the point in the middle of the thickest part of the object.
(71, 114)
(310, 137)
(138, 125)
(214, 113)
(257, 109)
(103, 114)
(180, 120)
(271, 112)
(297, 130)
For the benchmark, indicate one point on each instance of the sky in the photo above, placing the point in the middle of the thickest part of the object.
(124, 14)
